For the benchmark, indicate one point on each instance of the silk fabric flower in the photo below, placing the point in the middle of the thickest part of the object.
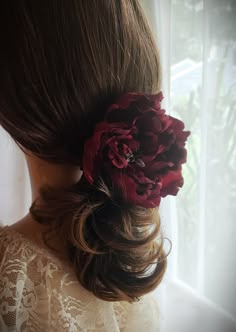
(139, 148)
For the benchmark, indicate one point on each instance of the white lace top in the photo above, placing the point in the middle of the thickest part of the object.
(38, 292)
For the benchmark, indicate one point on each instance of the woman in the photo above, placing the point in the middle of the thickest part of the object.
(80, 95)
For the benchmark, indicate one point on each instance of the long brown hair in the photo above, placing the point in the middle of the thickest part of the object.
(62, 63)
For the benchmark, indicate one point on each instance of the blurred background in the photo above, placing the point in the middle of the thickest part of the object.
(197, 44)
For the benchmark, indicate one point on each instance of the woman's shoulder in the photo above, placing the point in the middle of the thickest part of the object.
(34, 275)
(10, 241)
(23, 260)
(143, 315)
(14, 242)
(16, 245)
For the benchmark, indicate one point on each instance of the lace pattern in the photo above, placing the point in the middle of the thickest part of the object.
(39, 292)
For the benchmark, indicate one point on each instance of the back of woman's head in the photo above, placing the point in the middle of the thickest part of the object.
(62, 64)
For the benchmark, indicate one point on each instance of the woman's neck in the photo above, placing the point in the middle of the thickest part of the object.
(41, 174)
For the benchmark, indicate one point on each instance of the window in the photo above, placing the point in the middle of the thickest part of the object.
(197, 42)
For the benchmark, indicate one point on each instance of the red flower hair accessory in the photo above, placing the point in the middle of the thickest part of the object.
(139, 148)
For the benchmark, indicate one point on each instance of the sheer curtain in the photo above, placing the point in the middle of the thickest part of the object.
(14, 181)
(197, 42)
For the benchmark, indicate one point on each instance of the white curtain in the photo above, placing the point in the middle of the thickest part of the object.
(14, 181)
(197, 43)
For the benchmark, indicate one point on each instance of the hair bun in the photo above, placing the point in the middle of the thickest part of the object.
(111, 247)
(114, 248)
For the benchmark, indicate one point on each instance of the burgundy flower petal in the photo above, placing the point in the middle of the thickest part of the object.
(139, 148)
(125, 100)
(117, 159)
(149, 143)
(171, 183)
(149, 122)
(158, 168)
(149, 198)
(91, 149)
(177, 128)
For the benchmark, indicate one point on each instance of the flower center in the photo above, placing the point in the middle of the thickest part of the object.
(131, 159)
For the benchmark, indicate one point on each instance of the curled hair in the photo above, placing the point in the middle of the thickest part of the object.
(62, 64)
(114, 247)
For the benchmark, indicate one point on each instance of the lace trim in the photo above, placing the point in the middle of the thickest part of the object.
(10, 237)
(38, 294)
